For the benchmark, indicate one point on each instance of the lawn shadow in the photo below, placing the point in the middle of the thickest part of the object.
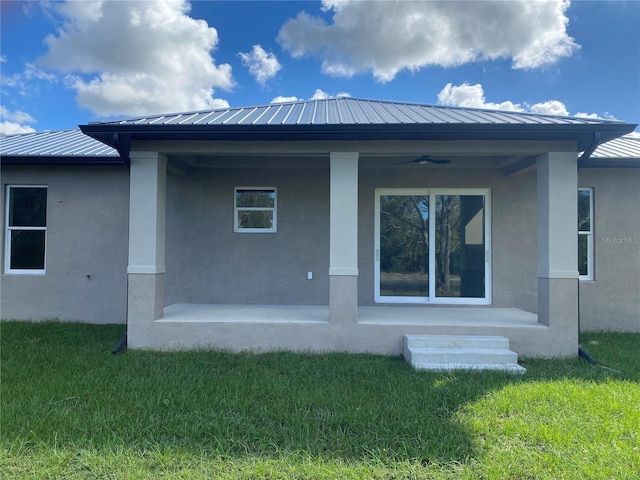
(353, 408)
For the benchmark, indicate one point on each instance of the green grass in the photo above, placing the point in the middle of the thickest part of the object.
(71, 409)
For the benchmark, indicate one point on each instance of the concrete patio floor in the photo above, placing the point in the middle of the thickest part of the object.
(367, 315)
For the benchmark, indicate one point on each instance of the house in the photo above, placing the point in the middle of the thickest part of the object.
(340, 224)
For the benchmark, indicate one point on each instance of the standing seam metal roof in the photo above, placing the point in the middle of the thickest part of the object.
(623, 147)
(352, 111)
(57, 143)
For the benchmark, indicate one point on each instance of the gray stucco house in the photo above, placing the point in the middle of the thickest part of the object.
(338, 224)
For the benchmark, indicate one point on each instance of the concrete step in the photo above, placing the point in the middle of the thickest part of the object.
(452, 352)
(447, 367)
(462, 355)
(455, 341)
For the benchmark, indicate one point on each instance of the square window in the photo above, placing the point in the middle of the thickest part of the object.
(255, 210)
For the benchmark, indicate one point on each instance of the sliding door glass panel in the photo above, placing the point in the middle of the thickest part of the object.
(404, 245)
(460, 246)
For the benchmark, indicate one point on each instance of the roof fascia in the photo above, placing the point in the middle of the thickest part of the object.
(66, 161)
(582, 134)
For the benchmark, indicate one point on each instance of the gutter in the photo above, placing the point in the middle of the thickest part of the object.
(123, 145)
(597, 139)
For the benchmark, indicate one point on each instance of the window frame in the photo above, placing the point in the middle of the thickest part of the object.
(432, 298)
(7, 235)
(589, 235)
(274, 210)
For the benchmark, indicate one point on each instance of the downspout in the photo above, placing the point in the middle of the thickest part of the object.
(582, 353)
(123, 146)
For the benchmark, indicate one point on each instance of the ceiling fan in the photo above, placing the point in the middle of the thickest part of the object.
(426, 159)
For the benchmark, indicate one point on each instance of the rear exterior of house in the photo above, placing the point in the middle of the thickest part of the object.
(310, 226)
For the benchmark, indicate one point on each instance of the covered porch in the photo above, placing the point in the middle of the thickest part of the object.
(345, 323)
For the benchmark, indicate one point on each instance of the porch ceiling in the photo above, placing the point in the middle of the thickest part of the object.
(185, 164)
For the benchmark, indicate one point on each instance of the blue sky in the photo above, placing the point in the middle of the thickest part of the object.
(69, 63)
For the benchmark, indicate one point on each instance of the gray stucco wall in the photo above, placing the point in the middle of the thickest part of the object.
(86, 250)
(208, 263)
(612, 300)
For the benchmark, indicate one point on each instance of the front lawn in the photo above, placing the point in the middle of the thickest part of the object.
(71, 409)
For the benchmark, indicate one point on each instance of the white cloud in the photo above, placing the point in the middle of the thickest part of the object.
(16, 115)
(319, 94)
(136, 57)
(14, 121)
(588, 115)
(386, 37)
(472, 96)
(262, 65)
(10, 128)
(550, 107)
(285, 99)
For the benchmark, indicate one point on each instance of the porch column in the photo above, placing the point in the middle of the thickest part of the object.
(147, 190)
(558, 248)
(343, 241)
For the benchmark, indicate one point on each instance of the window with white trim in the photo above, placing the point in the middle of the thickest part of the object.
(255, 210)
(585, 233)
(26, 229)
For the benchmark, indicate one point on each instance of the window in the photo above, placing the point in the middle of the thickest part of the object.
(25, 236)
(432, 246)
(585, 233)
(255, 210)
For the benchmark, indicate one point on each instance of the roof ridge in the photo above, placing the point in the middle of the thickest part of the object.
(291, 103)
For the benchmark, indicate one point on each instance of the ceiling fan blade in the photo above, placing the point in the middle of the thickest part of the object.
(423, 160)
(406, 161)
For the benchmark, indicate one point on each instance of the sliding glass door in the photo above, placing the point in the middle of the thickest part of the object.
(432, 246)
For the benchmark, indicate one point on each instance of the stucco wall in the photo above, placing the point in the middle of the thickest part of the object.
(208, 263)
(612, 300)
(86, 250)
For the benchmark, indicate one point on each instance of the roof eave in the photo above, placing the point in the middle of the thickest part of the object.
(60, 161)
(582, 134)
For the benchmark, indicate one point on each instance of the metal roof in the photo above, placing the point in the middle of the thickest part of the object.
(68, 143)
(352, 119)
(352, 111)
(623, 147)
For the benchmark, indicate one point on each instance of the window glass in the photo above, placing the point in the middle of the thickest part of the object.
(255, 219)
(460, 246)
(404, 245)
(27, 207)
(255, 210)
(583, 255)
(584, 210)
(255, 198)
(27, 249)
(585, 233)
